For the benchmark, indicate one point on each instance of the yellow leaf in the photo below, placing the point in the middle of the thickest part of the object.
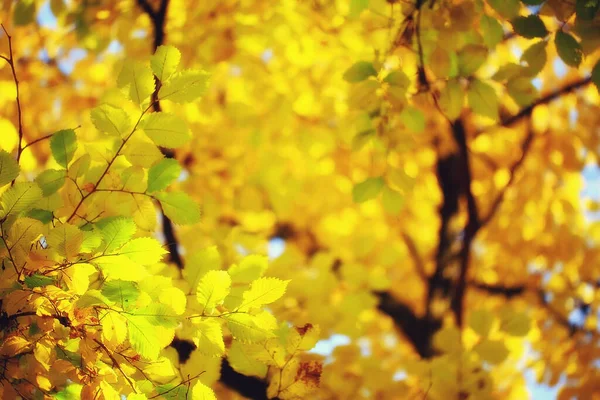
(184, 86)
(209, 338)
(164, 62)
(250, 268)
(243, 363)
(263, 291)
(138, 76)
(492, 351)
(144, 251)
(481, 321)
(114, 328)
(111, 120)
(212, 289)
(202, 392)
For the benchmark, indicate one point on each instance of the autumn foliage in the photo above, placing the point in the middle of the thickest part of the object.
(324, 199)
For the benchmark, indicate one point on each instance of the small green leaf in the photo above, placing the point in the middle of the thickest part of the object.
(452, 99)
(471, 58)
(508, 9)
(491, 30)
(398, 79)
(522, 91)
(24, 12)
(115, 231)
(568, 48)
(596, 75)
(392, 201)
(9, 169)
(124, 293)
(51, 180)
(358, 6)
(535, 56)
(37, 280)
(162, 174)
(483, 99)
(530, 26)
(367, 189)
(63, 145)
(44, 216)
(587, 9)
(359, 72)
(413, 119)
(20, 197)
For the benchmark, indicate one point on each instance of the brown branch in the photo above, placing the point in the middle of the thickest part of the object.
(473, 223)
(415, 328)
(526, 112)
(498, 290)
(116, 364)
(414, 253)
(11, 62)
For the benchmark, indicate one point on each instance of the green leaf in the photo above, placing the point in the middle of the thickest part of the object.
(166, 130)
(179, 207)
(357, 7)
(535, 56)
(110, 120)
(471, 58)
(568, 48)
(162, 174)
(413, 119)
(184, 87)
(171, 391)
(20, 197)
(398, 79)
(138, 76)
(491, 30)
(9, 168)
(452, 99)
(51, 180)
(483, 99)
(392, 201)
(596, 75)
(44, 216)
(587, 9)
(24, 12)
(508, 9)
(367, 189)
(359, 72)
(116, 231)
(522, 91)
(530, 26)
(37, 280)
(164, 62)
(63, 145)
(124, 293)
(70, 356)
(71, 392)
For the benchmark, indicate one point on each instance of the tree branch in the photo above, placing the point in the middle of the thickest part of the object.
(11, 62)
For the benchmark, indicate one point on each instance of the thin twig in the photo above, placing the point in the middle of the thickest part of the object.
(11, 61)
